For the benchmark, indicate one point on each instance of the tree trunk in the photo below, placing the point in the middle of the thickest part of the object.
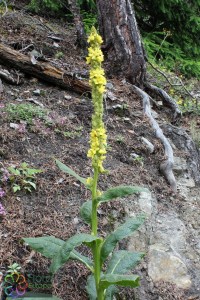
(81, 40)
(123, 47)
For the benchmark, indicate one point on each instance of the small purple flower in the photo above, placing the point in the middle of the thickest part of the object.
(5, 175)
(2, 193)
(2, 210)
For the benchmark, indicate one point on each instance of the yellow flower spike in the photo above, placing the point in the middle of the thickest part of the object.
(97, 81)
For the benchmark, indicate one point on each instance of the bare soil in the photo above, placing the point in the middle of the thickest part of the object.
(53, 209)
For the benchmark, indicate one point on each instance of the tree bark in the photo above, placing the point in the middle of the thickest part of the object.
(123, 46)
(81, 40)
(42, 70)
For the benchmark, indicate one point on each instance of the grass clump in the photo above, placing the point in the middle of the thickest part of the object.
(24, 112)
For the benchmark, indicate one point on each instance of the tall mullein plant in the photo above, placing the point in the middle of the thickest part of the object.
(108, 268)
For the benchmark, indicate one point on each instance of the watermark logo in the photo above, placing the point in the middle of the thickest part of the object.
(15, 285)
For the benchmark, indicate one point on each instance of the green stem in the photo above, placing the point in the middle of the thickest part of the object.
(94, 203)
(97, 246)
(100, 295)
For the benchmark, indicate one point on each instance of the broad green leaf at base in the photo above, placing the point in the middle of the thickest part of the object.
(116, 279)
(122, 261)
(119, 192)
(120, 233)
(49, 246)
(63, 255)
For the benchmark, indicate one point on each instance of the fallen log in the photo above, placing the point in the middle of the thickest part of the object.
(42, 70)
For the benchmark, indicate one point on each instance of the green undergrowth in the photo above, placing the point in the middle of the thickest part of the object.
(24, 112)
(181, 89)
(169, 55)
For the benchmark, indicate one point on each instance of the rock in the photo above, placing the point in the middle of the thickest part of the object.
(165, 266)
(67, 97)
(149, 145)
(169, 231)
(180, 165)
(37, 92)
(145, 202)
(111, 96)
(187, 182)
(109, 86)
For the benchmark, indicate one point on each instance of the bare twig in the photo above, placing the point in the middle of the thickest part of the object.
(166, 99)
(172, 84)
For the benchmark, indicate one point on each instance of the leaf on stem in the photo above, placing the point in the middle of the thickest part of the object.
(122, 261)
(91, 287)
(66, 169)
(86, 211)
(75, 255)
(49, 246)
(119, 191)
(116, 279)
(120, 233)
(63, 255)
(46, 245)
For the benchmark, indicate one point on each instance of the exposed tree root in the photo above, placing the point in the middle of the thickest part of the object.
(182, 140)
(166, 166)
(168, 101)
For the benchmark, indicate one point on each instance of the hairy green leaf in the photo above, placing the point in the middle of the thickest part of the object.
(86, 211)
(91, 287)
(75, 255)
(49, 246)
(63, 254)
(110, 292)
(66, 169)
(122, 261)
(116, 279)
(120, 233)
(119, 191)
(46, 245)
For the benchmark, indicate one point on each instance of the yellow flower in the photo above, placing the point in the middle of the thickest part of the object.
(95, 55)
(94, 37)
(89, 181)
(97, 80)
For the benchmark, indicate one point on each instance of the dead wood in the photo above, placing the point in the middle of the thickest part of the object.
(6, 76)
(166, 166)
(42, 70)
(167, 100)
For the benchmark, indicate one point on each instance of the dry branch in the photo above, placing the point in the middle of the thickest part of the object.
(42, 70)
(168, 101)
(6, 76)
(167, 165)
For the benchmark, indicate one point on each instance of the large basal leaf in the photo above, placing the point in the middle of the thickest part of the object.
(63, 254)
(120, 233)
(119, 192)
(116, 279)
(122, 261)
(110, 292)
(66, 169)
(91, 287)
(46, 245)
(86, 211)
(49, 246)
